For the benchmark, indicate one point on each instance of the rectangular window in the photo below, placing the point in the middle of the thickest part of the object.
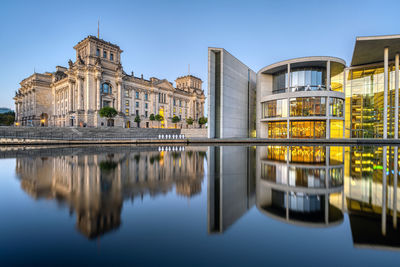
(336, 129)
(127, 103)
(104, 54)
(145, 114)
(146, 96)
(137, 104)
(97, 52)
(174, 102)
(127, 111)
(137, 112)
(111, 56)
(137, 95)
(336, 107)
(275, 108)
(146, 105)
(277, 129)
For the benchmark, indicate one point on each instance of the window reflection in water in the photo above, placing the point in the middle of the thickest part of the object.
(296, 183)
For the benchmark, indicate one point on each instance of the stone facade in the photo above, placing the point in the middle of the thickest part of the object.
(73, 96)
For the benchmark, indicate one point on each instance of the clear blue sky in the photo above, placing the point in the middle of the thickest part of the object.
(160, 38)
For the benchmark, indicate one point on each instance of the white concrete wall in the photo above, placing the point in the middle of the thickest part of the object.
(238, 88)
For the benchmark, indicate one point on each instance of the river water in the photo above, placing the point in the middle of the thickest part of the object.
(200, 206)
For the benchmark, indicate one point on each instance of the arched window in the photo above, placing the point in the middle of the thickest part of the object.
(106, 88)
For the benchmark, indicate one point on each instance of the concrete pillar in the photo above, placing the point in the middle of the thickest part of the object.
(288, 102)
(328, 75)
(289, 80)
(395, 178)
(287, 205)
(384, 155)
(385, 90)
(396, 97)
(326, 208)
(328, 121)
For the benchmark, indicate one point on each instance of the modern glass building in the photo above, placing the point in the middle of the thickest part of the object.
(311, 97)
(372, 83)
(301, 98)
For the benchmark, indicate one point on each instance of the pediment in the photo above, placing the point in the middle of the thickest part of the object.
(164, 84)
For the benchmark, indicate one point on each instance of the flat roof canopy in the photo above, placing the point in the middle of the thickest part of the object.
(369, 49)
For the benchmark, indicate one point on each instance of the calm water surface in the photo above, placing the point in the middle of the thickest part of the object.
(200, 206)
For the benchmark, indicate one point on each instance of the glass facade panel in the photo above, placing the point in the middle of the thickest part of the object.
(275, 108)
(337, 70)
(364, 97)
(336, 129)
(307, 106)
(277, 129)
(307, 129)
(336, 107)
(280, 82)
(308, 79)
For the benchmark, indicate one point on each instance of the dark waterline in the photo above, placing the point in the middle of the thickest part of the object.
(200, 206)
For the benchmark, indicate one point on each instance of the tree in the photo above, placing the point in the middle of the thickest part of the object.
(202, 120)
(189, 121)
(159, 118)
(7, 118)
(175, 119)
(137, 120)
(109, 113)
(152, 118)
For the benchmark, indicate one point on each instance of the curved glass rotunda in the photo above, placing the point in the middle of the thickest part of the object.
(301, 98)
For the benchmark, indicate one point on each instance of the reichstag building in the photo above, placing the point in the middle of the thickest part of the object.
(73, 95)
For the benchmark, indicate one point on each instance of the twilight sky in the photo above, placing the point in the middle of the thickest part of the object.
(160, 38)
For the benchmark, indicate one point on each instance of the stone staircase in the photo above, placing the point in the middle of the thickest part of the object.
(84, 133)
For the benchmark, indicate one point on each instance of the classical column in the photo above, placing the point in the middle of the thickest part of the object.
(98, 100)
(385, 91)
(79, 84)
(87, 97)
(396, 97)
(119, 93)
(70, 92)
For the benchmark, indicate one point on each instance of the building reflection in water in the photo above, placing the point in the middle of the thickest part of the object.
(371, 189)
(231, 185)
(311, 186)
(95, 185)
(295, 183)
